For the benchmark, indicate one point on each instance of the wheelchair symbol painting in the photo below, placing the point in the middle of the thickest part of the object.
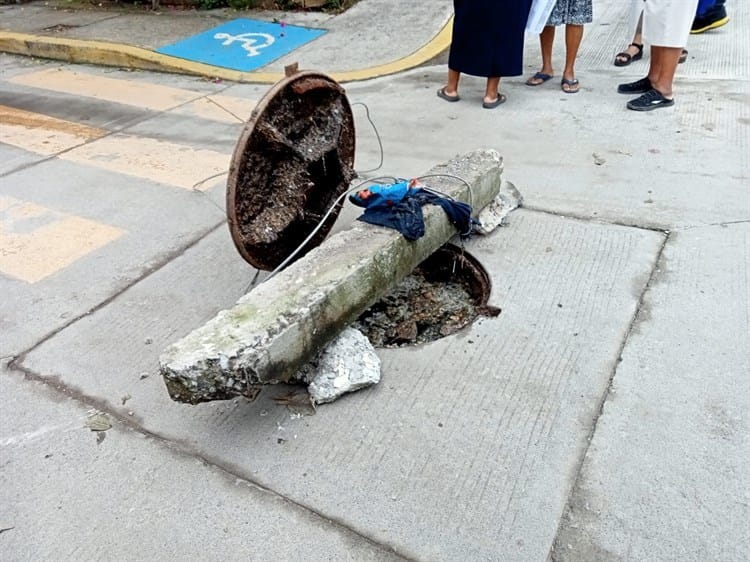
(251, 42)
(242, 44)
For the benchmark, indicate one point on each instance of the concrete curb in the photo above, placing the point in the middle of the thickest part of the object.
(115, 54)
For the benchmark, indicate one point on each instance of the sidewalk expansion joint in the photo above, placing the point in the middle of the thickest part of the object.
(598, 220)
(28, 165)
(711, 225)
(182, 449)
(606, 395)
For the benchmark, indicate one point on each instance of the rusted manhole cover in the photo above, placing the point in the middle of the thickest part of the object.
(446, 292)
(294, 158)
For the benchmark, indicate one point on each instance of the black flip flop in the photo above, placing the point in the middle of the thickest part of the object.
(501, 98)
(441, 94)
(570, 84)
(541, 77)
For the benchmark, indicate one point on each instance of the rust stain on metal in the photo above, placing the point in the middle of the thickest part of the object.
(301, 87)
(294, 158)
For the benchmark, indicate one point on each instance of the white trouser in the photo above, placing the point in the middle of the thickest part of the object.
(666, 23)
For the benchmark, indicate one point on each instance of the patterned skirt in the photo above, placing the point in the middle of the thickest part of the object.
(576, 12)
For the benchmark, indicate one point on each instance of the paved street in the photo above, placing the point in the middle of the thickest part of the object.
(602, 416)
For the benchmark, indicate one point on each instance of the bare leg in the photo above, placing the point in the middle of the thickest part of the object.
(491, 91)
(631, 49)
(573, 37)
(451, 88)
(547, 40)
(664, 62)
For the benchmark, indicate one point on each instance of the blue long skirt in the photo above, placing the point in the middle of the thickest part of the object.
(488, 37)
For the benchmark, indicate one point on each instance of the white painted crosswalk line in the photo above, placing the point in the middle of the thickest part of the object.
(147, 96)
(42, 134)
(154, 97)
(36, 242)
(149, 158)
(152, 159)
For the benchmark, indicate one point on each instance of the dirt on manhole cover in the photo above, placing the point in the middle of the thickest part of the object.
(445, 293)
(293, 160)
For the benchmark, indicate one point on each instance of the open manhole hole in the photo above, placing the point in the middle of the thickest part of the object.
(445, 293)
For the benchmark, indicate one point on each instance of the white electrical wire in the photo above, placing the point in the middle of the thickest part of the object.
(291, 256)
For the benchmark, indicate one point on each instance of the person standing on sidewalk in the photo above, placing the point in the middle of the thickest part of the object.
(710, 14)
(487, 41)
(666, 26)
(634, 51)
(574, 14)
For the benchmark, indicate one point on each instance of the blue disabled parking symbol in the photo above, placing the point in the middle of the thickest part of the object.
(242, 44)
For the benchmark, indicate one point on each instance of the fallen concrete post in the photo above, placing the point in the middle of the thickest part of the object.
(285, 321)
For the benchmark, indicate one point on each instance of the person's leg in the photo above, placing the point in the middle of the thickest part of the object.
(660, 77)
(666, 26)
(634, 51)
(645, 84)
(449, 92)
(573, 38)
(662, 74)
(491, 90)
(451, 88)
(546, 40)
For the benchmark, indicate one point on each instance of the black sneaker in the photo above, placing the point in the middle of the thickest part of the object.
(713, 18)
(638, 87)
(650, 100)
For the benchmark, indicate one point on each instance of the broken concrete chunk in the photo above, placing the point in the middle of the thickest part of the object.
(98, 421)
(493, 215)
(347, 364)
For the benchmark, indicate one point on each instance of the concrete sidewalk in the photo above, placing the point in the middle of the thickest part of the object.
(602, 417)
(373, 38)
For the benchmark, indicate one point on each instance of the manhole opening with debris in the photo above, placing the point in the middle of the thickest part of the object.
(445, 293)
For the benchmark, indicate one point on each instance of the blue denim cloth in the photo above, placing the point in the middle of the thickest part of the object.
(406, 215)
